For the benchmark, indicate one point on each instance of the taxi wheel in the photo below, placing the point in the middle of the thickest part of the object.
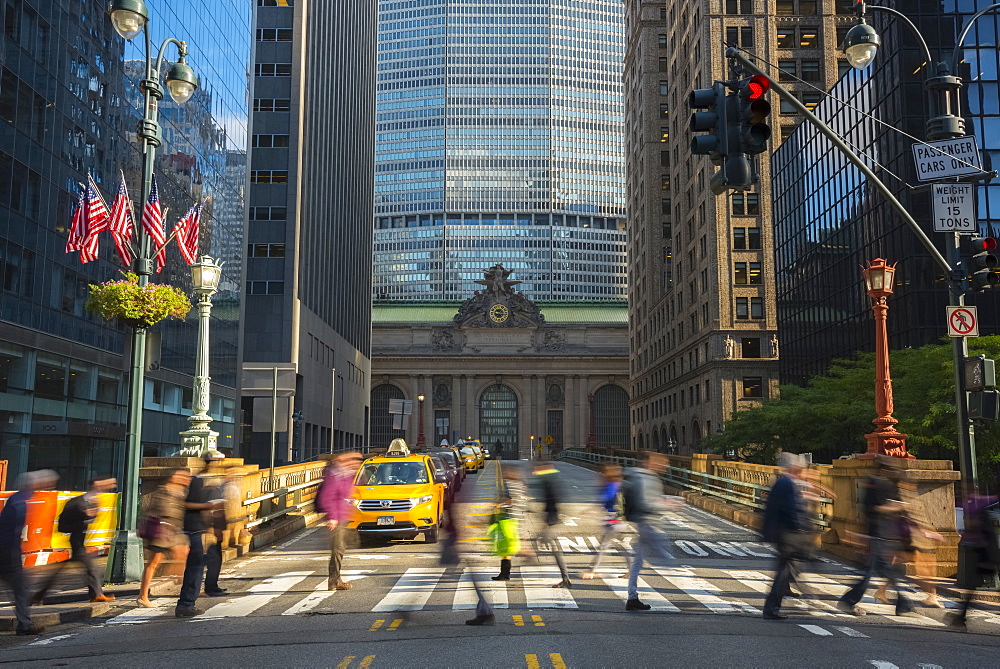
(431, 536)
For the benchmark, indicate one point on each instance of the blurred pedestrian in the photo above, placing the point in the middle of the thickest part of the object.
(549, 493)
(12, 520)
(195, 504)
(214, 480)
(160, 528)
(78, 513)
(513, 505)
(918, 543)
(644, 504)
(883, 516)
(613, 509)
(785, 525)
(331, 499)
(982, 549)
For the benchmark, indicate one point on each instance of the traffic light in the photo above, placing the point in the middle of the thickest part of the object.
(984, 263)
(712, 119)
(753, 112)
(980, 373)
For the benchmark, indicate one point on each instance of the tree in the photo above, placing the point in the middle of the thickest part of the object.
(831, 414)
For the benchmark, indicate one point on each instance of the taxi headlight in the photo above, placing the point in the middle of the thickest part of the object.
(417, 501)
(354, 502)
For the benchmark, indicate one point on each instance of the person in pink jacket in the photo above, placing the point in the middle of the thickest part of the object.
(331, 499)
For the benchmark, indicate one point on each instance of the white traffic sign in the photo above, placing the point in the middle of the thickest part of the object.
(947, 158)
(962, 322)
(954, 208)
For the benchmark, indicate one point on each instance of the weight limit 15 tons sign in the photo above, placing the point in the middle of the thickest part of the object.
(954, 208)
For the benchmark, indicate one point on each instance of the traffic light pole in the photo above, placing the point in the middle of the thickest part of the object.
(950, 267)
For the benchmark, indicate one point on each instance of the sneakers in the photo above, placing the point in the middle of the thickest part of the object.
(103, 598)
(30, 631)
(187, 611)
(636, 605)
(482, 620)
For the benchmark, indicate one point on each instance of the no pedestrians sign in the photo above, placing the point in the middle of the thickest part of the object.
(962, 322)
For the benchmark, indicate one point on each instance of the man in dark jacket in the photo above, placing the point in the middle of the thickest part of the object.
(12, 519)
(546, 484)
(78, 513)
(784, 526)
(197, 501)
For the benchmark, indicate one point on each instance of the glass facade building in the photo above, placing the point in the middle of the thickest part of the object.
(500, 138)
(828, 220)
(69, 103)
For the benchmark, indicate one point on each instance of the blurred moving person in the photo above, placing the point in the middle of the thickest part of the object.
(786, 526)
(982, 544)
(216, 521)
(78, 513)
(613, 506)
(331, 499)
(548, 493)
(160, 528)
(195, 504)
(882, 509)
(644, 504)
(12, 519)
(514, 503)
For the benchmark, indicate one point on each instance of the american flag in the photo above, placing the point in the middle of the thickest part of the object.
(121, 223)
(77, 229)
(152, 223)
(186, 231)
(96, 221)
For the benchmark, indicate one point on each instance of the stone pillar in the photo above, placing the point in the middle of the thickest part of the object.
(456, 408)
(471, 403)
(569, 439)
(582, 411)
(411, 423)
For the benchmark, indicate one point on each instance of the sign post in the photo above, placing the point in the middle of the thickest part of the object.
(954, 208)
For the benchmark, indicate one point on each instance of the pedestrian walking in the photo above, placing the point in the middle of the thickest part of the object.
(160, 528)
(548, 492)
(331, 499)
(513, 505)
(214, 480)
(644, 503)
(196, 502)
(883, 517)
(786, 526)
(981, 544)
(612, 506)
(76, 516)
(12, 520)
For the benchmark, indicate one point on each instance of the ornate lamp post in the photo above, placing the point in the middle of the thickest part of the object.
(592, 436)
(200, 438)
(129, 18)
(884, 440)
(531, 447)
(420, 422)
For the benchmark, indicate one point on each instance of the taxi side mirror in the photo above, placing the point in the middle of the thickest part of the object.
(440, 478)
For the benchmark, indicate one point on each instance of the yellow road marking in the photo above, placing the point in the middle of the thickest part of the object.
(468, 515)
(346, 662)
(538, 621)
(473, 539)
(518, 621)
(395, 624)
(557, 661)
(376, 625)
(532, 661)
(367, 662)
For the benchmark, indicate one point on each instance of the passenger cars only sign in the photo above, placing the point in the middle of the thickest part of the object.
(947, 158)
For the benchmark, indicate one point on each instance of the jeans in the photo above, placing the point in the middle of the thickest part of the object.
(338, 543)
(12, 573)
(879, 564)
(783, 573)
(546, 540)
(194, 570)
(651, 543)
(213, 566)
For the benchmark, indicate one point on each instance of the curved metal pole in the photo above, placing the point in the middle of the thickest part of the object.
(902, 17)
(965, 31)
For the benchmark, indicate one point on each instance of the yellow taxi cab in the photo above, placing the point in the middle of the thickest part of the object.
(478, 448)
(469, 459)
(397, 496)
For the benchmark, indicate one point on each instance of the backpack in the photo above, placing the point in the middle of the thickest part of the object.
(66, 516)
(629, 499)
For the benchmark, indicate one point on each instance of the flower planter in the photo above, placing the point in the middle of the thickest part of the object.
(137, 306)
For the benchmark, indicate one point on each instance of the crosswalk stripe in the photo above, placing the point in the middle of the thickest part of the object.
(761, 583)
(466, 598)
(696, 588)
(141, 614)
(646, 593)
(314, 599)
(831, 587)
(538, 591)
(412, 590)
(849, 631)
(817, 630)
(261, 594)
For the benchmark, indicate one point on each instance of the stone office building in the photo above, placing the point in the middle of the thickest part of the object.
(501, 367)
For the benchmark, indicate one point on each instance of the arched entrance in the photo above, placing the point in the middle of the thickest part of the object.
(611, 417)
(498, 421)
(382, 432)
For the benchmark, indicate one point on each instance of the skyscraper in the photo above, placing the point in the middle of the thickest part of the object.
(702, 299)
(69, 103)
(500, 139)
(309, 234)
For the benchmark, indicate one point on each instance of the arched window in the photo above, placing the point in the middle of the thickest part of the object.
(498, 421)
(382, 432)
(611, 417)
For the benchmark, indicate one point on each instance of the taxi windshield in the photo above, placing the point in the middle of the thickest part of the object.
(392, 473)
(468, 451)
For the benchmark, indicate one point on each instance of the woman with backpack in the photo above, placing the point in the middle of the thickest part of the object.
(611, 504)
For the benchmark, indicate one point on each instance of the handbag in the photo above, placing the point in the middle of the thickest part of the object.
(150, 529)
(503, 534)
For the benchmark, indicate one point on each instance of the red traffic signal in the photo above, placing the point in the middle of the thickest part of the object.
(980, 244)
(755, 87)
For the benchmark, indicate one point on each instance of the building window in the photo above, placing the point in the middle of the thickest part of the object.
(273, 69)
(664, 87)
(271, 104)
(795, 7)
(664, 111)
(275, 3)
(786, 37)
(665, 205)
(266, 250)
(664, 159)
(739, 6)
(808, 37)
(755, 277)
(274, 34)
(809, 70)
(756, 307)
(746, 204)
(810, 100)
(664, 134)
(663, 64)
(750, 347)
(270, 141)
(753, 386)
(749, 308)
(268, 176)
(746, 239)
(788, 70)
(385, 426)
(740, 274)
(664, 182)
(786, 107)
(268, 213)
(265, 287)
(842, 33)
(661, 40)
(739, 36)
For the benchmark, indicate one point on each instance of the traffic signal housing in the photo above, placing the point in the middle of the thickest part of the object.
(753, 111)
(710, 116)
(983, 265)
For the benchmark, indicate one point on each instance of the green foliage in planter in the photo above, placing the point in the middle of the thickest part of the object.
(138, 306)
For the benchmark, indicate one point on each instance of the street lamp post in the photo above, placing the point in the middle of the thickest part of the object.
(200, 438)
(885, 440)
(531, 447)
(129, 18)
(420, 422)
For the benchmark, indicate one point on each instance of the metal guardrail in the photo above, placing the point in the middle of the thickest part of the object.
(743, 493)
(279, 488)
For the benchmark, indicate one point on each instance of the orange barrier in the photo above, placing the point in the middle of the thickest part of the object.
(42, 543)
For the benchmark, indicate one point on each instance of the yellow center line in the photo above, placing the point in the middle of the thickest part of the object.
(376, 625)
(557, 661)
(473, 539)
(346, 662)
(395, 624)
(538, 621)
(532, 661)
(367, 662)
(468, 515)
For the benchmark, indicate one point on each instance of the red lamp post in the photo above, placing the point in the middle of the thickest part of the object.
(420, 422)
(885, 440)
(592, 437)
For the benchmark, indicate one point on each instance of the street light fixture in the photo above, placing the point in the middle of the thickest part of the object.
(129, 18)
(420, 422)
(860, 45)
(200, 439)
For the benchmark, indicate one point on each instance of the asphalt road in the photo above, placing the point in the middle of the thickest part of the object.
(405, 610)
